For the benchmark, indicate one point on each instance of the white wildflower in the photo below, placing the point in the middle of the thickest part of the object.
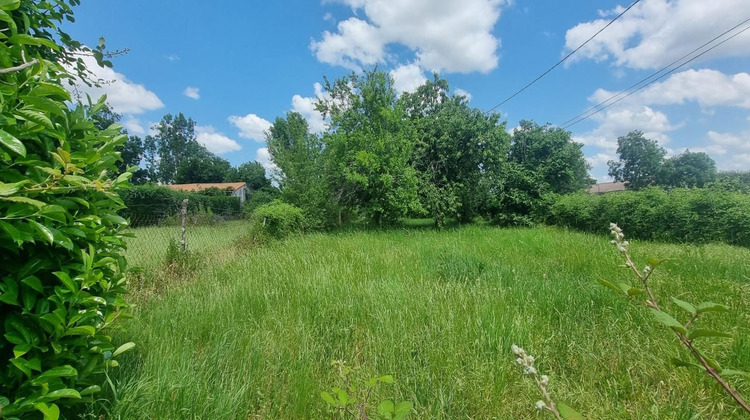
(516, 350)
(545, 380)
(529, 370)
(540, 405)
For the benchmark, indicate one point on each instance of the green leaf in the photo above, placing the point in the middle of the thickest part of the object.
(608, 284)
(81, 330)
(10, 4)
(65, 371)
(403, 409)
(653, 262)
(711, 307)
(667, 320)
(703, 332)
(30, 40)
(123, 348)
(21, 349)
(62, 393)
(10, 189)
(44, 231)
(93, 389)
(567, 413)
(35, 117)
(386, 379)
(687, 307)
(14, 234)
(682, 363)
(34, 283)
(386, 409)
(11, 143)
(25, 200)
(50, 412)
(66, 280)
(327, 397)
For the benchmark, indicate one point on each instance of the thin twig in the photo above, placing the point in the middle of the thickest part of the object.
(19, 67)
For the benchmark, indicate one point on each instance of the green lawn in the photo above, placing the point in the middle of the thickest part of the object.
(252, 334)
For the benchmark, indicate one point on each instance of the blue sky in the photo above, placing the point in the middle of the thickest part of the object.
(235, 66)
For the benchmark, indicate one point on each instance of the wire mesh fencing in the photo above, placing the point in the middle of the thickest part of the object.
(149, 236)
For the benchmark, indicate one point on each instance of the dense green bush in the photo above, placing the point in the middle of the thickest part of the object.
(276, 220)
(680, 215)
(61, 270)
(150, 204)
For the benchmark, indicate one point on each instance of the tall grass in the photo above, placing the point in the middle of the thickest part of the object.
(253, 337)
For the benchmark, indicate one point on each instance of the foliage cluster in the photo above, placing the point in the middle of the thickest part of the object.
(276, 220)
(151, 204)
(680, 215)
(61, 270)
(643, 163)
(385, 156)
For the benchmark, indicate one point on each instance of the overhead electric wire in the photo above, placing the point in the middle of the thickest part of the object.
(564, 58)
(655, 80)
(656, 73)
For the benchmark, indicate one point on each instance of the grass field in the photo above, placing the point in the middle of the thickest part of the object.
(252, 333)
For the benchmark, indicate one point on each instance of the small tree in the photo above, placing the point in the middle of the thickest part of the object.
(640, 161)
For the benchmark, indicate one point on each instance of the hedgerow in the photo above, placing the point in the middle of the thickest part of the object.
(149, 204)
(680, 215)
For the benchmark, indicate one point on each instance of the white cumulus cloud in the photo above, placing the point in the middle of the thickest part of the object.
(656, 32)
(461, 92)
(443, 34)
(123, 95)
(407, 77)
(215, 142)
(251, 126)
(192, 92)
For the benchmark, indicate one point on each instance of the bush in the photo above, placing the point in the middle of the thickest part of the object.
(680, 215)
(276, 220)
(61, 269)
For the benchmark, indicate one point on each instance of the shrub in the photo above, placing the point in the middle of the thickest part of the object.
(61, 268)
(276, 220)
(679, 215)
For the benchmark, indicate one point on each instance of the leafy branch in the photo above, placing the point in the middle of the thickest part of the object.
(686, 333)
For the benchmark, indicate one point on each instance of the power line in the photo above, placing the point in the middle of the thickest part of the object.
(655, 80)
(656, 73)
(564, 58)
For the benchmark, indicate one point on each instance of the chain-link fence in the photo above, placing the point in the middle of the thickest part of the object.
(204, 234)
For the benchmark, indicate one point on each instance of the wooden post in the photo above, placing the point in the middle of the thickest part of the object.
(183, 214)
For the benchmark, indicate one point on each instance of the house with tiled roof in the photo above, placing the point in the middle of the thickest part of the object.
(607, 187)
(237, 189)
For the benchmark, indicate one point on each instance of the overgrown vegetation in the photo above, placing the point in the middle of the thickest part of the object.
(151, 204)
(437, 309)
(679, 215)
(61, 269)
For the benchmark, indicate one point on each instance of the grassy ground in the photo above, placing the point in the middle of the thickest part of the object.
(252, 335)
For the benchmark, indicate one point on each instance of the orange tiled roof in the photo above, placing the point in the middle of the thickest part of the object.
(607, 187)
(198, 187)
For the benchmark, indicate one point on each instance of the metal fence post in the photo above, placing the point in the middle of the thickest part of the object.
(183, 214)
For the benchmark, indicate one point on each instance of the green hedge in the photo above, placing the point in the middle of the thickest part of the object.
(149, 204)
(680, 215)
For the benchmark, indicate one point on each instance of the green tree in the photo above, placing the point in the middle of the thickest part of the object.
(550, 153)
(457, 148)
(640, 161)
(299, 156)
(201, 167)
(251, 173)
(174, 142)
(369, 147)
(689, 169)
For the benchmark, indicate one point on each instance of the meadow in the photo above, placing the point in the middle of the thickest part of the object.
(251, 332)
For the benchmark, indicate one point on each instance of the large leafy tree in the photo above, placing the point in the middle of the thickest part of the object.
(456, 149)
(640, 161)
(552, 155)
(202, 166)
(174, 142)
(251, 173)
(298, 155)
(689, 169)
(369, 147)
